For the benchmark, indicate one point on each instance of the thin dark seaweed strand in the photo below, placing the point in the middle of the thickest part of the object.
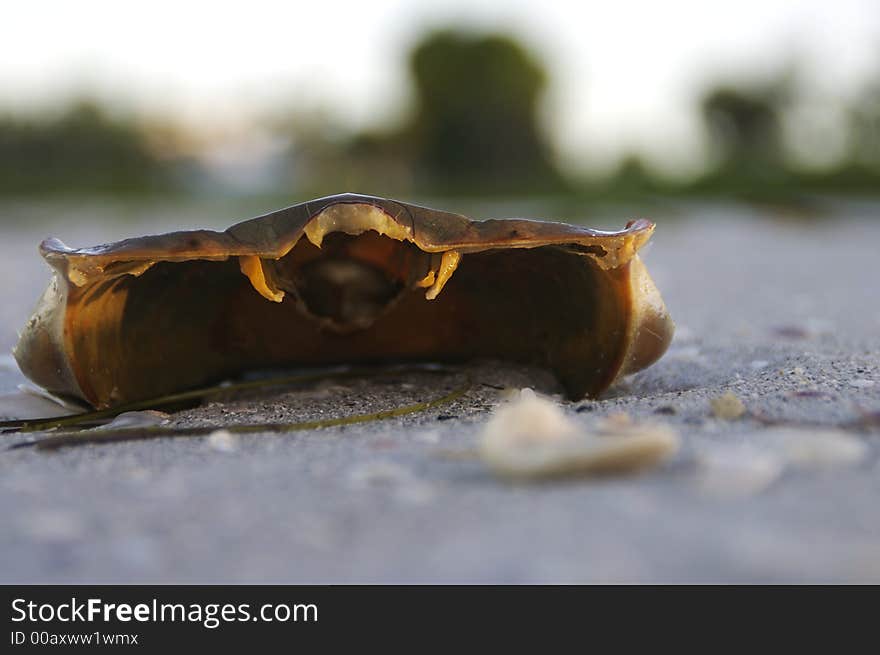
(80, 438)
(98, 416)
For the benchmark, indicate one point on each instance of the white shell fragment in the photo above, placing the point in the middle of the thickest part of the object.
(532, 438)
(139, 419)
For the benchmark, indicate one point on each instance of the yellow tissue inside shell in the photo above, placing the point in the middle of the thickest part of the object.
(352, 219)
(355, 219)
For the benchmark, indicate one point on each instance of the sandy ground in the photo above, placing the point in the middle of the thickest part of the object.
(782, 312)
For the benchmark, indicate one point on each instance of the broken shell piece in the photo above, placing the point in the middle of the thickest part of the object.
(137, 419)
(532, 438)
(345, 279)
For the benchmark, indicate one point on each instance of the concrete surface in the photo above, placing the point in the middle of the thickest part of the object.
(782, 311)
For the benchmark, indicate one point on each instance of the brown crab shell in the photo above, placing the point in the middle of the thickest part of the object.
(346, 279)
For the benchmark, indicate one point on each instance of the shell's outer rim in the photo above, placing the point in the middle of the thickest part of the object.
(650, 328)
(272, 235)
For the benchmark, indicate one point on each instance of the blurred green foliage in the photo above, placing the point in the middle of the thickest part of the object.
(476, 120)
(83, 148)
(744, 126)
(473, 128)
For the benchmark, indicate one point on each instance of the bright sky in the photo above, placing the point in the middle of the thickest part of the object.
(625, 72)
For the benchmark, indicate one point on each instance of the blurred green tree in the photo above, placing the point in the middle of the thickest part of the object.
(744, 127)
(82, 149)
(865, 129)
(476, 120)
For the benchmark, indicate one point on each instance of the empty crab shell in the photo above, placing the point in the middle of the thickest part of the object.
(345, 279)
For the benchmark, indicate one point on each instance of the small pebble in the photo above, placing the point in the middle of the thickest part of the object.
(223, 441)
(791, 332)
(727, 406)
(667, 410)
(808, 393)
(861, 383)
